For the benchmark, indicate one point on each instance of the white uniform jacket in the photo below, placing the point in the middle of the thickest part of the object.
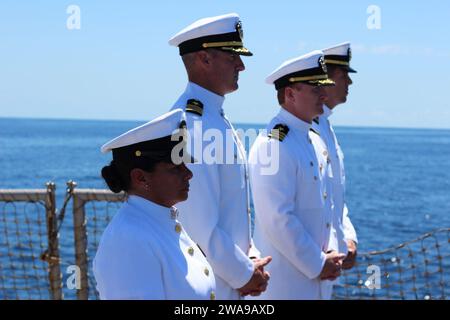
(293, 210)
(144, 253)
(217, 210)
(345, 229)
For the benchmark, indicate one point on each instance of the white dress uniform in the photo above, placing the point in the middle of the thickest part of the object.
(294, 213)
(217, 210)
(340, 56)
(344, 228)
(293, 206)
(144, 253)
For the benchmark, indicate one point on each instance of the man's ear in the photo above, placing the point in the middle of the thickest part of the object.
(289, 93)
(204, 57)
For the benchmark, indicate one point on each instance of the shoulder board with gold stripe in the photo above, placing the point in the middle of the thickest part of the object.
(279, 132)
(315, 131)
(194, 106)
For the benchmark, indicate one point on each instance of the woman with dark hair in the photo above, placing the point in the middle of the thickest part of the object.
(144, 252)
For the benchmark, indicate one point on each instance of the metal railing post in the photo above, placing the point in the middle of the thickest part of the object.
(80, 234)
(53, 258)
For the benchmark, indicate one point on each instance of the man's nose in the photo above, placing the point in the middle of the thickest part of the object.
(240, 64)
(322, 94)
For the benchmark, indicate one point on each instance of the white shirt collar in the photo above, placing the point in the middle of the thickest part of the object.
(326, 112)
(292, 121)
(152, 209)
(209, 99)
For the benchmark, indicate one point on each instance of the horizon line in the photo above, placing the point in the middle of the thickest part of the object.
(236, 122)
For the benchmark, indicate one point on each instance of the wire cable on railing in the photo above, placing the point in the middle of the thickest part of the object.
(415, 269)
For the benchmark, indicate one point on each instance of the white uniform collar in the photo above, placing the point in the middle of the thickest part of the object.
(209, 99)
(326, 112)
(152, 209)
(292, 121)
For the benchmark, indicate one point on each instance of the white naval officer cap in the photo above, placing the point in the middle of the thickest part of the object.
(309, 68)
(153, 140)
(220, 32)
(339, 55)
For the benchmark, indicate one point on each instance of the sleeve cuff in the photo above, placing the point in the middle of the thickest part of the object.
(243, 278)
(317, 272)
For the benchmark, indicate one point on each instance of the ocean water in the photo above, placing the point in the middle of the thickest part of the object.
(398, 180)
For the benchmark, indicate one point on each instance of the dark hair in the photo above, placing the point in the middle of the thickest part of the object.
(280, 96)
(117, 173)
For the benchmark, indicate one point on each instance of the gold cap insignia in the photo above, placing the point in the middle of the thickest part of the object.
(239, 29)
(322, 64)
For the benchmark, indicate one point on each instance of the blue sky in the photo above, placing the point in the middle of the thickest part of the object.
(119, 65)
